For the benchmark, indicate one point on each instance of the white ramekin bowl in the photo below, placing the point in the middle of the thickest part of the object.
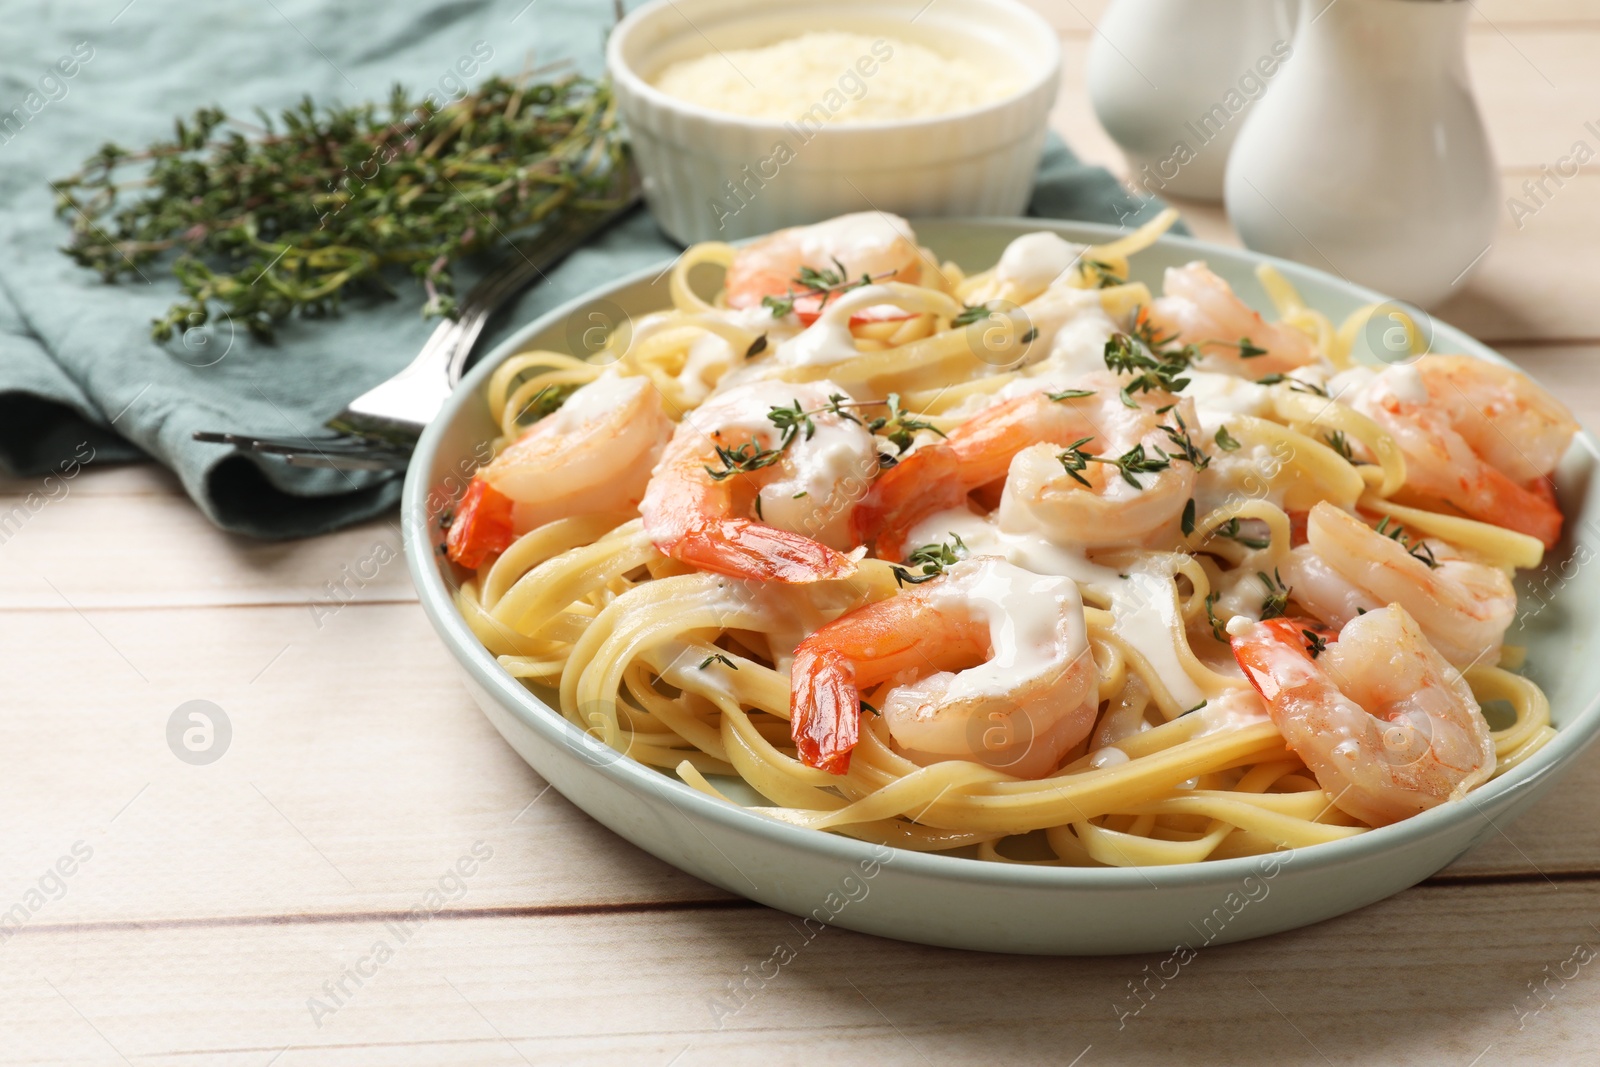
(715, 176)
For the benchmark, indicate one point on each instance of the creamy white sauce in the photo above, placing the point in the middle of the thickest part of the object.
(597, 400)
(828, 340)
(1108, 757)
(1055, 310)
(1025, 548)
(1035, 624)
(1352, 382)
(1403, 382)
(1216, 396)
(819, 481)
(1238, 476)
(814, 487)
(1144, 611)
(1034, 260)
(1233, 710)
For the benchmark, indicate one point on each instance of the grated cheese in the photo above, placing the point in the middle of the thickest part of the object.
(818, 78)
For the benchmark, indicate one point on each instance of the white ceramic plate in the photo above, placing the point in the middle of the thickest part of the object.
(967, 903)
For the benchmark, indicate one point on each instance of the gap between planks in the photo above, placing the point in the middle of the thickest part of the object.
(541, 911)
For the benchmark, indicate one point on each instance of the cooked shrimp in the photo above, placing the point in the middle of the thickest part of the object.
(728, 462)
(1463, 607)
(1386, 725)
(591, 455)
(1199, 308)
(1094, 504)
(1474, 436)
(990, 662)
(869, 243)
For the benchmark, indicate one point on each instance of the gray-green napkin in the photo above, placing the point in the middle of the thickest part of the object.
(78, 370)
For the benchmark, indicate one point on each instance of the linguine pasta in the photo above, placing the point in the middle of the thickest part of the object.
(688, 669)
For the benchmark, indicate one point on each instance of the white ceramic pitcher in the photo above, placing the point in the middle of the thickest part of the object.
(1171, 81)
(1369, 157)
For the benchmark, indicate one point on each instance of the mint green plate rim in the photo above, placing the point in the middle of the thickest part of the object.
(1576, 728)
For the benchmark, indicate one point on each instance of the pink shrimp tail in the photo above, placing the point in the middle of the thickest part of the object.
(825, 708)
(742, 548)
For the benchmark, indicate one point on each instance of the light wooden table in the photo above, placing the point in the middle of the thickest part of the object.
(216, 902)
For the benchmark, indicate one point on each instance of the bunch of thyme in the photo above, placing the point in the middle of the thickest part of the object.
(262, 220)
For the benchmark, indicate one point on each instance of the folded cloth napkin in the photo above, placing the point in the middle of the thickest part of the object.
(79, 374)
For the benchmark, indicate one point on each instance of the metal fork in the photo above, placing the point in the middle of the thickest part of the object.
(378, 429)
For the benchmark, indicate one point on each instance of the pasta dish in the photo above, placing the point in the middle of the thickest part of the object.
(1032, 564)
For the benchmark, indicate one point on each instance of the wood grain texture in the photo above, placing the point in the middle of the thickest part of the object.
(1393, 983)
(217, 900)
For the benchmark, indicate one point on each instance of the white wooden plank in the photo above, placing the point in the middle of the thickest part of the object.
(1431, 976)
(357, 771)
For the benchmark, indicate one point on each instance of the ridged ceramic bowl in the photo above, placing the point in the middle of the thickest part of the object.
(968, 903)
(712, 176)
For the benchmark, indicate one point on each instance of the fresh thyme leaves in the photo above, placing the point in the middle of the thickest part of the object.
(1135, 461)
(1316, 644)
(900, 426)
(1158, 372)
(718, 657)
(1226, 440)
(1217, 629)
(1107, 274)
(1277, 601)
(1230, 530)
(1187, 522)
(794, 422)
(1070, 394)
(744, 459)
(1074, 461)
(970, 314)
(1418, 550)
(1340, 444)
(294, 213)
(1197, 707)
(868, 707)
(758, 346)
(1293, 383)
(1183, 445)
(1145, 330)
(1029, 336)
(812, 282)
(1247, 350)
(932, 561)
(549, 400)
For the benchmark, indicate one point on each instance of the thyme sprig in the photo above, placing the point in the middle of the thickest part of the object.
(1135, 461)
(1418, 550)
(931, 561)
(795, 422)
(1105, 275)
(1297, 384)
(1154, 370)
(292, 214)
(824, 283)
(1217, 629)
(1247, 349)
(1231, 531)
(1276, 603)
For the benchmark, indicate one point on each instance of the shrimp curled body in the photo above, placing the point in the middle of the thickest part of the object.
(1021, 439)
(1386, 725)
(698, 507)
(990, 663)
(1463, 607)
(1477, 437)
